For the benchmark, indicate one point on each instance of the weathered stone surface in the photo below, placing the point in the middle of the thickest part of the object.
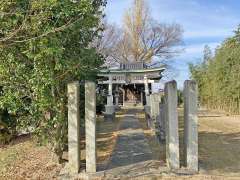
(147, 110)
(109, 113)
(155, 99)
(151, 103)
(90, 125)
(190, 125)
(146, 89)
(110, 85)
(109, 117)
(73, 127)
(162, 122)
(116, 99)
(131, 144)
(110, 100)
(147, 100)
(172, 136)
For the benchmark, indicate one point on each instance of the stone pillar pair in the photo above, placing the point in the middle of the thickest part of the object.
(74, 155)
(190, 125)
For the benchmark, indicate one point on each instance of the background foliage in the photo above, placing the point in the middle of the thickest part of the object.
(44, 44)
(218, 76)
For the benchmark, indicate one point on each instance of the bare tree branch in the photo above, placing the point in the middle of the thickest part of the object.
(141, 37)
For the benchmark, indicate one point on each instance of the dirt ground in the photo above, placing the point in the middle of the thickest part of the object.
(219, 151)
(23, 159)
(219, 145)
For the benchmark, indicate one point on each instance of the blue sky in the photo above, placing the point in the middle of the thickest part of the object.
(204, 22)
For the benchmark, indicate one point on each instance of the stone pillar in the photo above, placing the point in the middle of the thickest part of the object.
(90, 125)
(73, 127)
(155, 100)
(110, 100)
(142, 98)
(172, 137)
(146, 90)
(110, 95)
(116, 99)
(117, 107)
(152, 87)
(124, 97)
(150, 119)
(117, 96)
(151, 104)
(110, 85)
(109, 108)
(190, 125)
(162, 122)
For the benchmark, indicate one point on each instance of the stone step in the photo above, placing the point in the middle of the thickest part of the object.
(132, 104)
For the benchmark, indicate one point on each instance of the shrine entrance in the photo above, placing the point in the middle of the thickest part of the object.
(129, 85)
(134, 94)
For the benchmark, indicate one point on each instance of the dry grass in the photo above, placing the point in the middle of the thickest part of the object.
(219, 145)
(219, 150)
(23, 159)
(157, 149)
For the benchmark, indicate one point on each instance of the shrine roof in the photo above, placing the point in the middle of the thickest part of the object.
(132, 68)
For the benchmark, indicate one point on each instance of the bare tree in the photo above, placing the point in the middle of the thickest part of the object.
(107, 43)
(141, 38)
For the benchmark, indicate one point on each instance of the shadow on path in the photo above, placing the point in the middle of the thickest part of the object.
(131, 145)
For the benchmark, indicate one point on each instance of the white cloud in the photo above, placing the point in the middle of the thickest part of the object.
(208, 33)
(197, 49)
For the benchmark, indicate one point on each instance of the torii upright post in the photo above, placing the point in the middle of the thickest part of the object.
(190, 125)
(73, 127)
(172, 136)
(90, 125)
(109, 108)
(146, 90)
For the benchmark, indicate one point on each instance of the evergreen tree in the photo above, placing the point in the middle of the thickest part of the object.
(44, 44)
(218, 80)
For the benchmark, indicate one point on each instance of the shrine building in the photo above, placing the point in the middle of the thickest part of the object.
(130, 84)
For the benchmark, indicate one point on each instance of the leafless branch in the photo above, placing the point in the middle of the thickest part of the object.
(141, 37)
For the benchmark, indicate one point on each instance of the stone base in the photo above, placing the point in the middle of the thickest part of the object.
(161, 129)
(65, 174)
(117, 108)
(109, 117)
(149, 118)
(147, 109)
(140, 169)
(110, 109)
(151, 123)
(109, 113)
